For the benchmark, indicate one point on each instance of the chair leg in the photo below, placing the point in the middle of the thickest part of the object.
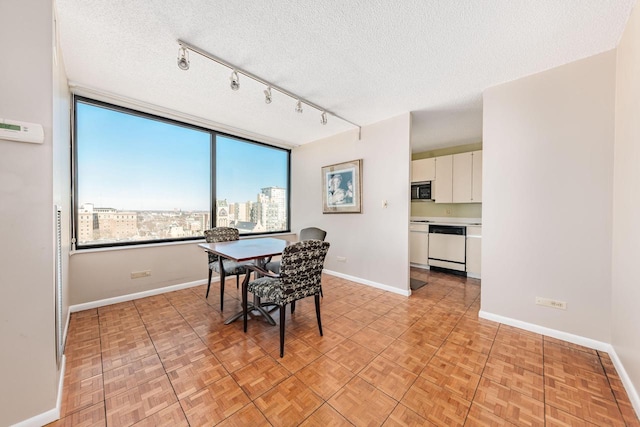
(321, 294)
(317, 298)
(222, 277)
(283, 313)
(244, 301)
(293, 307)
(237, 280)
(209, 285)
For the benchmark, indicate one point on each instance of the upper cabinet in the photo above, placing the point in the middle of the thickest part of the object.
(476, 182)
(467, 177)
(458, 178)
(443, 187)
(462, 177)
(423, 170)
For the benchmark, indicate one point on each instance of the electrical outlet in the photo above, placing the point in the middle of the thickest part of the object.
(448, 211)
(139, 274)
(547, 302)
(342, 259)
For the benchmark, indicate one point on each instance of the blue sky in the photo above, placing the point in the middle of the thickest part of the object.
(244, 168)
(131, 162)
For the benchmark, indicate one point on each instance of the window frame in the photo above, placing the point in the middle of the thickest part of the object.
(213, 133)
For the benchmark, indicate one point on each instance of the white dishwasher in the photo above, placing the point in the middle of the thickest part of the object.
(447, 247)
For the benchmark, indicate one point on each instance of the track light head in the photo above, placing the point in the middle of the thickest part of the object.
(183, 63)
(183, 58)
(267, 95)
(235, 80)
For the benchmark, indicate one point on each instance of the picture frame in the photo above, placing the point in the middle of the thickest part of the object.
(342, 187)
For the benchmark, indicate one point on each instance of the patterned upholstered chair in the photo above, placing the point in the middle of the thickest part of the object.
(221, 265)
(310, 233)
(300, 277)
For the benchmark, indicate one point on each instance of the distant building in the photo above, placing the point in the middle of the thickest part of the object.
(242, 211)
(222, 213)
(106, 224)
(273, 209)
(176, 231)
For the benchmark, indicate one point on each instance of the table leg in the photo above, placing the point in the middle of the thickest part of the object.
(248, 307)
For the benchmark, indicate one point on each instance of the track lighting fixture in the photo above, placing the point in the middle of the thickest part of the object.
(183, 63)
(235, 80)
(267, 95)
(183, 59)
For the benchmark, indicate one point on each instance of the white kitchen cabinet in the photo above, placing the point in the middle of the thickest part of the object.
(462, 177)
(467, 177)
(419, 244)
(456, 178)
(423, 170)
(474, 251)
(476, 182)
(443, 187)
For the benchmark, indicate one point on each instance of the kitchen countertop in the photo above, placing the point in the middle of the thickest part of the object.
(446, 221)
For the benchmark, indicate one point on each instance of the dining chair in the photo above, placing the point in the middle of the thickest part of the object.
(300, 277)
(221, 265)
(309, 233)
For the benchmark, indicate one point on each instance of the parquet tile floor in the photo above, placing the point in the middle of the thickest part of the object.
(384, 359)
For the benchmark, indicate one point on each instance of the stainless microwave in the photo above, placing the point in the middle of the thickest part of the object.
(421, 190)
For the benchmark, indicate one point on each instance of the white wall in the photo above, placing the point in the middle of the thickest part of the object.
(27, 360)
(547, 197)
(626, 204)
(375, 242)
(100, 274)
(105, 274)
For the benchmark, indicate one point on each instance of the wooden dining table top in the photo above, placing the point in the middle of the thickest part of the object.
(247, 249)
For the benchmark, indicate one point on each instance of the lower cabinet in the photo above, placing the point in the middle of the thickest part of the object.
(474, 254)
(419, 244)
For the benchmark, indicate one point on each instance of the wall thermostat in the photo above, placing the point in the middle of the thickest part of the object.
(14, 130)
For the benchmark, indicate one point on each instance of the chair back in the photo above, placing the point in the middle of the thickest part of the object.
(220, 234)
(301, 268)
(312, 233)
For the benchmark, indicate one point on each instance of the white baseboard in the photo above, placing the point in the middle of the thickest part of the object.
(634, 398)
(405, 292)
(554, 333)
(40, 420)
(52, 414)
(63, 368)
(138, 295)
(422, 266)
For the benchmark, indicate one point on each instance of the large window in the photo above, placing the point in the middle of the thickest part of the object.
(144, 179)
(251, 186)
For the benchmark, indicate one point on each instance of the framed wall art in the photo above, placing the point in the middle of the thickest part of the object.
(342, 187)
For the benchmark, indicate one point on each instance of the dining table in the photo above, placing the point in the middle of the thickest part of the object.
(259, 250)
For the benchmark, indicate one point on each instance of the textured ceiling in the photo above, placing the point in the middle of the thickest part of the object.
(365, 60)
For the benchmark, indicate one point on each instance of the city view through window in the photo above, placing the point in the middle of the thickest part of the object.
(139, 179)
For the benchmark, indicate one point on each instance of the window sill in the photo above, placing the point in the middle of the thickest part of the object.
(163, 244)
